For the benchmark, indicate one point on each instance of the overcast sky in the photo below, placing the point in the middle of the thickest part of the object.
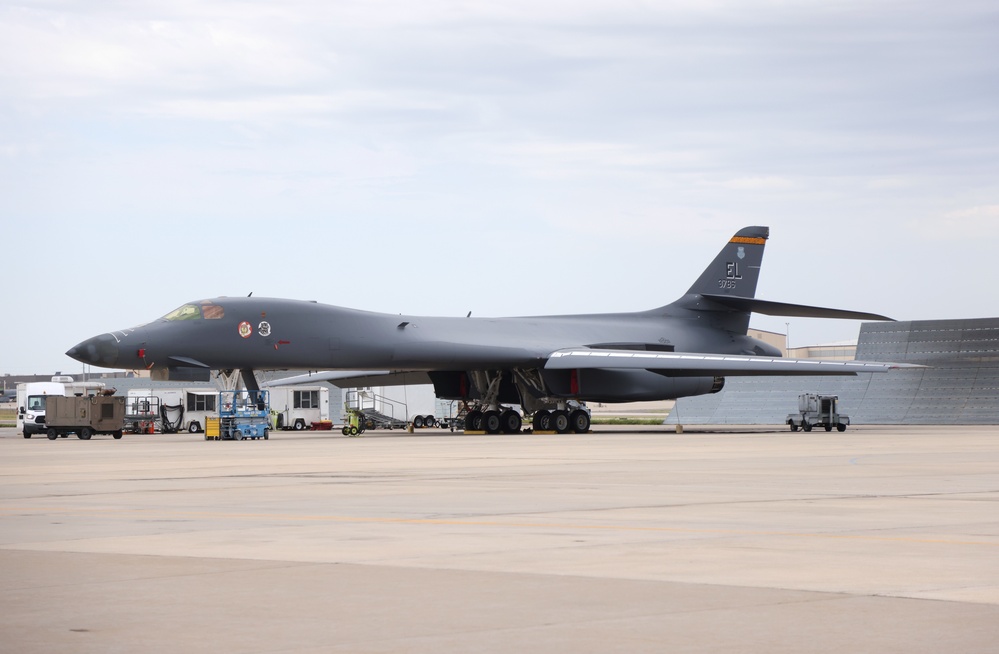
(516, 158)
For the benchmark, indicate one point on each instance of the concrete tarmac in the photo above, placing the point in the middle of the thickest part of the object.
(879, 539)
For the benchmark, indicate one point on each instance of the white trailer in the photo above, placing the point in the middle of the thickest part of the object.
(297, 407)
(31, 400)
(200, 404)
(172, 409)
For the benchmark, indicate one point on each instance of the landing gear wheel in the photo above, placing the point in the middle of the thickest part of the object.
(560, 421)
(52, 434)
(194, 427)
(580, 421)
(491, 422)
(85, 433)
(473, 421)
(510, 422)
(542, 420)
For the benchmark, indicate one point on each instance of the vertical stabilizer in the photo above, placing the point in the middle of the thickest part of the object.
(736, 269)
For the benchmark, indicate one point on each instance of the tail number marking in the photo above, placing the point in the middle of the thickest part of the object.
(732, 275)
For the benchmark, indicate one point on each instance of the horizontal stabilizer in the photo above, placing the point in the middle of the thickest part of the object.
(784, 309)
(692, 364)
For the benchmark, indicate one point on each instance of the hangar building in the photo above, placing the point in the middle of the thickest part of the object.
(960, 384)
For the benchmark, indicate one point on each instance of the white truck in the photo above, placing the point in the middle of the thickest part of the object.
(816, 410)
(31, 399)
(297, 407)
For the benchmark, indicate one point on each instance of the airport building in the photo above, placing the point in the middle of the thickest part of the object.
(960, 384)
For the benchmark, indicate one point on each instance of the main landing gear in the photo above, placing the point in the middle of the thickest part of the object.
(550, 414)
(562, 421)
(506, 421)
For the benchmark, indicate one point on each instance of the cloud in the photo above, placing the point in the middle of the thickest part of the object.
(602, 134)
(976, 223)
(766, 183)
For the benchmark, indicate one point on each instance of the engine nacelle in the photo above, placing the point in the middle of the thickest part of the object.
(615, 385)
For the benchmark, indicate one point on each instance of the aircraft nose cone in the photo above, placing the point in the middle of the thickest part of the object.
(98, 351)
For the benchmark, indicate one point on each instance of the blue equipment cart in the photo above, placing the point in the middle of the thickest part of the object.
(244, 414)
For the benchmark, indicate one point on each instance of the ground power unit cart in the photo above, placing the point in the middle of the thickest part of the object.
(816, 410)
(84, 416)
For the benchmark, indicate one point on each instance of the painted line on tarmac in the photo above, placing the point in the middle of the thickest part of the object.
(147, 515)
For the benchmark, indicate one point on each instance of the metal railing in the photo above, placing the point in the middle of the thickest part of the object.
(370, 403)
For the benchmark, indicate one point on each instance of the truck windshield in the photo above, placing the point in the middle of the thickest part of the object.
(36, 403)
(206, 310)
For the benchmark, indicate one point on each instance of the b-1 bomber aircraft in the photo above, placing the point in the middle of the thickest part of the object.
(545, 364)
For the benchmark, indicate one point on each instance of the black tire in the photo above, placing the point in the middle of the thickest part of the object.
(429, 421)
(85, 433)
(299, 425)
(828, 426)
(542, 420)
(491, 422)
(841, 427)
(418, 422)
(473, 421)
(353, 431)
(52, 433)
(267, 434)
(510, 422)
(806, 426)
(345, 431)
(117, 435)
(794, 427)
(560, 421)
(237, 435)
(579, 421)
(194, 427)
(27, 435)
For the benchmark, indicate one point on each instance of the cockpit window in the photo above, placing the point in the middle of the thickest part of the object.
(186, 312)
(212, 311)
(206, 310)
